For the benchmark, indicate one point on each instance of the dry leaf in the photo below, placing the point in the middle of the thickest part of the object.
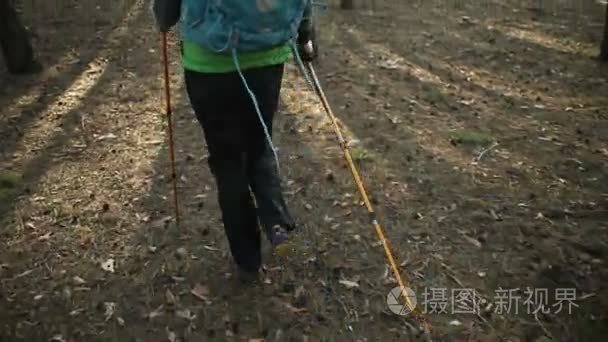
(107, 137)
(45, 237)
(110, 309)
(201, 292)
(161, 223)
(171, 336)
(153, 142)
(455, 323)
(120, 321)
(170, 297)
(291, 308)
(157, 312)
(76, 312)
(85, 235)
(349, 283)
(78, 281)
(467, 102)
(391, 64)
(108, 265)
(57, 338)
(474, 242)
(300, 291)
(182, 252)
(185, 314)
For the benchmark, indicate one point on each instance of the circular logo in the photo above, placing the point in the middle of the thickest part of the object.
(396, 302)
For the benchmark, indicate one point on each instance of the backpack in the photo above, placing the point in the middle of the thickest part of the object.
(228, 26)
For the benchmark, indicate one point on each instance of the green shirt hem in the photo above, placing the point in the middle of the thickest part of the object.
(198, 59)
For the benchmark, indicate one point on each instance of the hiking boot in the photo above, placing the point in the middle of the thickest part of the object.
(279, 240)
(248, 277)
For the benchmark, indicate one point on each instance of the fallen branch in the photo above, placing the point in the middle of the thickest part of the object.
(482, 153)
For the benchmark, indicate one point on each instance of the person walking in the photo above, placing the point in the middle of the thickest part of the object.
(233, 54)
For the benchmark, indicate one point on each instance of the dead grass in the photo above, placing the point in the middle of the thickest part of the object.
(471, 138)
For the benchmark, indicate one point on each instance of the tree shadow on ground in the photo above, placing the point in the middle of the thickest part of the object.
(65, 57)
(58, 98)
(128, 212)
(360, 98)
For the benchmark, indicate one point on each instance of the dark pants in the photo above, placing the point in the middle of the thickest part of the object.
(239, 156)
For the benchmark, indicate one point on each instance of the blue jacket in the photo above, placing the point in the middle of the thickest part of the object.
(168, 13)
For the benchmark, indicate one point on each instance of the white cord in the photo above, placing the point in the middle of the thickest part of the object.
(257, 108)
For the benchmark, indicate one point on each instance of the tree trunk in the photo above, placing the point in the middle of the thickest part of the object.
(14, 40)
(347, 4)
(604, 52)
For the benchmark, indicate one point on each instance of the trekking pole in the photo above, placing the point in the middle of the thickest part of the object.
(169, 114)
(355, 173)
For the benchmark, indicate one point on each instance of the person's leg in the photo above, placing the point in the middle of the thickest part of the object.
(261, 166)
(218, 105)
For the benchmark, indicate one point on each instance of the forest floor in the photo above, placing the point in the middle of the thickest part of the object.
(481, 132)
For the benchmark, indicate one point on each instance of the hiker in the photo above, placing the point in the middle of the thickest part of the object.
(233, 79)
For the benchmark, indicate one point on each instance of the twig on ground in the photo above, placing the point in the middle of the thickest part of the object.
(542, 326)
(343, 306)
(452, 276)
(482, 153)
(456, 280)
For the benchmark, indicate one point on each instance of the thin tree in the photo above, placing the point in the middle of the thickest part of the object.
(604, 50)
(14, 41)
(347, 4)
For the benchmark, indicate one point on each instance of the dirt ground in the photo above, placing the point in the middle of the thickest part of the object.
(481, 132)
